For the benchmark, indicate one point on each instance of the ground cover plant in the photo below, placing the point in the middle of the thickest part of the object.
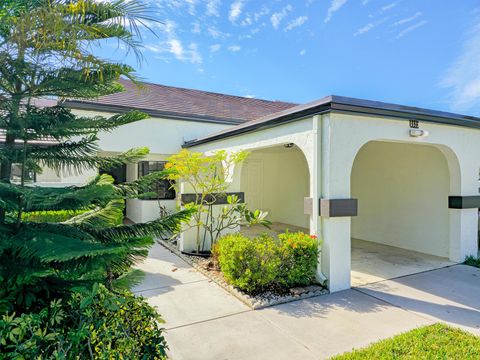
(431, 342)
(473, 261)
(93, 325)
(268, 263)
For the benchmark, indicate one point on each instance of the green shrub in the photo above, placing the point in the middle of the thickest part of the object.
(53, 216)
(473, 261)
(266, 263)
(98, 325)
(250, 264)
(298, 257)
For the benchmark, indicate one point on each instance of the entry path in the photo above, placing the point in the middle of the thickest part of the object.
(205, 322)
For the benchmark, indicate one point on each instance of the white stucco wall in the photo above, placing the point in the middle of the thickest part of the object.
(402, 191)
(277, 180)
(160, 135)
(300, 133)
(343, 135)
(146, 210)
(163, 137)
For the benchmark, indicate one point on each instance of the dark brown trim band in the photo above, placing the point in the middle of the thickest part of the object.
(464, 202)
(216, 199)
(338, 207)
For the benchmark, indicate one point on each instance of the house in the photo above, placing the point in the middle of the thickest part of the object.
(395, 179)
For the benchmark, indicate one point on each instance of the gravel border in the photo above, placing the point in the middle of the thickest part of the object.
(256, 302)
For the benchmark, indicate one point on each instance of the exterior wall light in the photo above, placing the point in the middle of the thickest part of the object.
(289, 145)
(417, 133)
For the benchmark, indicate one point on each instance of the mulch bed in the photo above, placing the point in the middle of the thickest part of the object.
(258, 301)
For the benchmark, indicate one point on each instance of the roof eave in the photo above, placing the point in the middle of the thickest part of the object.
(346, 105)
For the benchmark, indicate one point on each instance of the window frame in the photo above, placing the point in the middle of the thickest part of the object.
(168, 190)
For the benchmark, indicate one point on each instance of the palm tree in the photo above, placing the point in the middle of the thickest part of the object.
(46, 51)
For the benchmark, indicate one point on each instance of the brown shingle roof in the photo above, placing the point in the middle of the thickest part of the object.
(161, 100)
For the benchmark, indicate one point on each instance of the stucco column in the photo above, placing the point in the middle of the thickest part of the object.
(335, 231)
(464, 224)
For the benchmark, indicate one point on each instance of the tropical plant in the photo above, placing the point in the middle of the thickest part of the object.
(99, 324)
(298, 254)
(45, 51)
(257, 264)
(206, 176)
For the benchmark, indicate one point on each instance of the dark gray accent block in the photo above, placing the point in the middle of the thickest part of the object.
(338, 207)
(217, 199)
(464, 202)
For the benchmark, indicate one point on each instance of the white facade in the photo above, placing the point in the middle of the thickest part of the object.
(402, 182)
(163, 137)
(410, 211)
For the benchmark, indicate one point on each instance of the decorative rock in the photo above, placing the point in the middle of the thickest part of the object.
(207, 268)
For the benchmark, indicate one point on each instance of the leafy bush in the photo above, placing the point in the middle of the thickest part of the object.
(250, 264)
(51, 216)
(265, 263)
(299, 258)
(97, 325)
(473, 261)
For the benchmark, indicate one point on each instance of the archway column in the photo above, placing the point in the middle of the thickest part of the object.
(333, 182)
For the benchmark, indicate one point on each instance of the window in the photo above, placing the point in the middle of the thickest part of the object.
(16, 175)
(163, 188)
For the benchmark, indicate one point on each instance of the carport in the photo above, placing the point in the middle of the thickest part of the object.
(392, 190)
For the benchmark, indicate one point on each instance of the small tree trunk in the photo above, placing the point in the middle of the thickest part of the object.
(6, 171)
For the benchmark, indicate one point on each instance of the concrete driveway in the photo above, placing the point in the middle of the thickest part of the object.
(205, 322)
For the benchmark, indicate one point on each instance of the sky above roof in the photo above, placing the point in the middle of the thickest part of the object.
(415, 52)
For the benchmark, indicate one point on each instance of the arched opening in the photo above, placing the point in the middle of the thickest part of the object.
(276, 179)
(403, 224)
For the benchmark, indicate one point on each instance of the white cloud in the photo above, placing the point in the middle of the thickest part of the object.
(176, 48)
(196, 28)
(277, 17)
(410, 29)
(335, 5)
(216, 33)
(234, 48)
(463, 76)
(249, 96)
(299, 21)
(235, 10)
(193, 55)
(191, 6)
(303, 52)
(364, 29)
(261, 13)
(212, 7)
(408, 19)
(215, 47)
(388, 7)
(154, 48)
(169, 27)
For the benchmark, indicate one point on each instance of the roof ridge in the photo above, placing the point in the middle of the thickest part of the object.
(212, 92)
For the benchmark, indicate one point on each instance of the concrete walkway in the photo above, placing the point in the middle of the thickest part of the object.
(205, 322)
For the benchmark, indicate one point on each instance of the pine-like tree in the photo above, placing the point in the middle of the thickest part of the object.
(45, 51)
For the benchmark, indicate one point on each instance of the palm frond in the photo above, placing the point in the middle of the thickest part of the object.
(101, 217)
(164, 226)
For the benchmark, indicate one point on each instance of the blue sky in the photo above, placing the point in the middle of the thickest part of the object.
(415, 52)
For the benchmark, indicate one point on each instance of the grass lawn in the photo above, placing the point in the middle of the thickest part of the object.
(472, 261)
(430, 342)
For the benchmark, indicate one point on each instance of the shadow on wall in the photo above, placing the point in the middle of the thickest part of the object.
(277, 180)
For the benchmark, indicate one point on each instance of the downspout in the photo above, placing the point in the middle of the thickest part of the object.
(318, 171)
